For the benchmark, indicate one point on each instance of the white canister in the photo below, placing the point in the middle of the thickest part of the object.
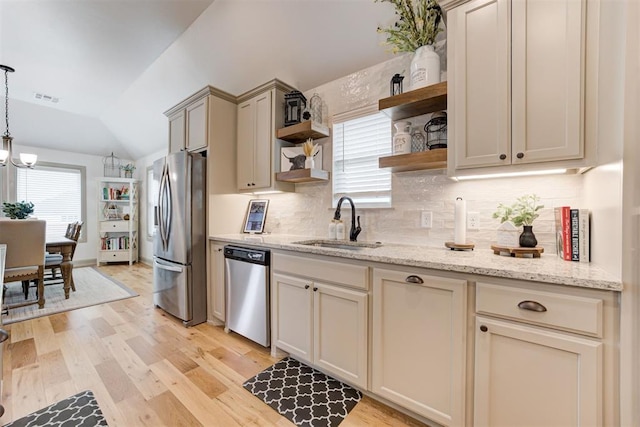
(425, 67)
(332, 230)
(402, 138)
(340, 230)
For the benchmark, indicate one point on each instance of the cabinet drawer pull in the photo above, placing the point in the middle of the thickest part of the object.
(414, 279)
(532, 306)
(503, 156)
(484, 328)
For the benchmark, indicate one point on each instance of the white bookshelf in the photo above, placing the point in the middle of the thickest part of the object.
(118, 200)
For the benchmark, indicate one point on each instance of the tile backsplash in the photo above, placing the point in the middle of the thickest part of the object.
(309, 211)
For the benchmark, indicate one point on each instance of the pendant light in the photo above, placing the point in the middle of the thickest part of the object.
(27, 160)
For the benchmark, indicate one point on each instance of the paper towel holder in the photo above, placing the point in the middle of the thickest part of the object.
(459, 247)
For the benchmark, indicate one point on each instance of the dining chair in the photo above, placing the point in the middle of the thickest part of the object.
(25, 240)
(54, 261)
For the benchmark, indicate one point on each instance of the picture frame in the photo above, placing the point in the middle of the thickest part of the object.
(289, 153)
(256, 216)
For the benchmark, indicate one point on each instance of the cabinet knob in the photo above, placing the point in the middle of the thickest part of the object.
(520, 155)
(484, 328)
(306, 286)
(414, 279)
(503, 156)
(532, 306)
(253, 183)
(315, 289)
(248, 184)
(219, 249)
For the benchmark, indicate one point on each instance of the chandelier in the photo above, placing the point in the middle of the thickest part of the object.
(27, 160)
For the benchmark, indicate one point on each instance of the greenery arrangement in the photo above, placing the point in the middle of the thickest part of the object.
(418, 25)
(17, 210)
(523, 212)
(130, 167)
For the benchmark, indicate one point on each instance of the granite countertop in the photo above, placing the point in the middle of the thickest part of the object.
(547, 268)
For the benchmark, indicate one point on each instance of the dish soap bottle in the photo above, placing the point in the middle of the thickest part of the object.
(340, 230)
(332, 230)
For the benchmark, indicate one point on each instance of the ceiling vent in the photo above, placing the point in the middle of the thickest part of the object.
(46, 98)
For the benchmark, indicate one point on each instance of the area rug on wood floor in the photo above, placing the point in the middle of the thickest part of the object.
(302, 394)
(92, 288)
(79, 410)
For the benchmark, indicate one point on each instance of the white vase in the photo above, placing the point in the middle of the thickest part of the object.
(425, 67)
(402, 138)
(309, 163)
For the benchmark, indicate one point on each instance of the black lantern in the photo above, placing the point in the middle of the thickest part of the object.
(436, 130)
(294, 103)
(396, 85)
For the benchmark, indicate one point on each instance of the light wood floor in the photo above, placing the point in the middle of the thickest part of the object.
(145, 368)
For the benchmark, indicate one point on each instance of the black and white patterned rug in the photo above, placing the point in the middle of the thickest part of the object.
(304, 395)
(79, 410)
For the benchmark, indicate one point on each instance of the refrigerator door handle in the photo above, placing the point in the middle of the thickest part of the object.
(167, 267)
(165, 208)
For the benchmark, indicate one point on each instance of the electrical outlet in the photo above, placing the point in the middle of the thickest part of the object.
(473, 220)
(427, 219)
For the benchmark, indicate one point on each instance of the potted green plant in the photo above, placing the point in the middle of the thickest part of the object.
(17, 210)
(128, 170)
(416, 31)
(523, 212)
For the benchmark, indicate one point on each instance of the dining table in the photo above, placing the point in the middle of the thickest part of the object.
(64, 247)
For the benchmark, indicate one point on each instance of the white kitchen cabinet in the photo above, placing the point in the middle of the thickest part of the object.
(260, 113)
(193, 122)
(216, 291)
(543, 357)
(118, 220)
(419, 343)
(517, 91)
(322, 323)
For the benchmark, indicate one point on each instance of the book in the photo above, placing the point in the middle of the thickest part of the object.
(584, 235)
(563, 232)
(575, 243)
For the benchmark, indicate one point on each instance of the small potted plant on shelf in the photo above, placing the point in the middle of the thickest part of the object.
(521, 213)
(128, 170)
(17, 210)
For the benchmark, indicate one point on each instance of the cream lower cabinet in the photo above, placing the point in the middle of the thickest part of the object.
(419, 343)
(216, 306)
(319, 322)
(544, 356)
(533, 377)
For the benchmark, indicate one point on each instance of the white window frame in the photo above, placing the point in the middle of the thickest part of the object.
(378, 144)
(82, 170)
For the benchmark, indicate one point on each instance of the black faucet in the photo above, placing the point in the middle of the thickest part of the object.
(353, 233)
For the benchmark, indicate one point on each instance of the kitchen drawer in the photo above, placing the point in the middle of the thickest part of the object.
(356, 276)
(569, 312)
(114, 256)
(114, 226)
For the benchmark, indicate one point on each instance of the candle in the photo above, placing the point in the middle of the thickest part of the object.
(459, 226)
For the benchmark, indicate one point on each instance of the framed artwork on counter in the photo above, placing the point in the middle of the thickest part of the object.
(256, 216)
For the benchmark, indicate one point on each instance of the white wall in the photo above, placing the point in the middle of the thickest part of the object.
(145, 241)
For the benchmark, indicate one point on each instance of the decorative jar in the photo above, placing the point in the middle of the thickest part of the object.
(425, 67)
(402, 138)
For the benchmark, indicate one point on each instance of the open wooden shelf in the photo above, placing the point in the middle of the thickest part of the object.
(432, 159)
(415, 102)
(302, 131)
(303, 175)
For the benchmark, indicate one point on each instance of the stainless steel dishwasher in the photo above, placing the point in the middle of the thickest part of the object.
(246, 277)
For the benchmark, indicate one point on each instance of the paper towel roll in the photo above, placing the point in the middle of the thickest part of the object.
(459, 225)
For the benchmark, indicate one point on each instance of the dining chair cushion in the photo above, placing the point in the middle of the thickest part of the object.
(52, 259)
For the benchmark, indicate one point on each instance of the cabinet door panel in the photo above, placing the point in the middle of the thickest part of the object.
(197, 129)
(263, 141)
(548, 63)
(177, 132)
(480, 83)
(217, 297)
(292, 315)
(418, 344)
(246, 132)
(340, 332)
(532, 377)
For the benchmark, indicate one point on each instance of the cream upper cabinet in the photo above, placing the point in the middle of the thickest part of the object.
(194, 122)
(260, 113)
(517, 90)
(418, 343)
(317, 319)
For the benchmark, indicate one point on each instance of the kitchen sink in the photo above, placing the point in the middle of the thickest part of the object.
(339, 244)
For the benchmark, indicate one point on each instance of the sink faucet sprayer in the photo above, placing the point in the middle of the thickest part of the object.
(353, 233)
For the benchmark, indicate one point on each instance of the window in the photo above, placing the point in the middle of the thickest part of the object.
(152, 195)
(57, 192)
(359, 138)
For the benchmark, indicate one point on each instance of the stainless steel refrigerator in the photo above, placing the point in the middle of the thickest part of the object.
(179, 246)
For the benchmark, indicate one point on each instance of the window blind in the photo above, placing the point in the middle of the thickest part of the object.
(56, 193)
(358, 141)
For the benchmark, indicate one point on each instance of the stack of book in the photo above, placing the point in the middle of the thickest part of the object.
(572, 233)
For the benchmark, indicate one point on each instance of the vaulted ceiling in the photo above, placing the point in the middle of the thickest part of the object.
(115, 66)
